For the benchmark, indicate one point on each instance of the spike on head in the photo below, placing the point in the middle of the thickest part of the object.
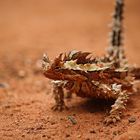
(46, 62)
(46, 58)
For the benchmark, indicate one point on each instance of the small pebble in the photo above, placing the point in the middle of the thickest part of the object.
(48, 137)
(87, 138)
(132, 119)
(61, 119)
(79, 136)
(115, 133)
(67, 135)
(43, 135)
(52, 123)
(67, 126)
(92, 131)
(130, 138)
(21, 74)
(23, 135)
(74, 114)
(72, 119)
(7, 106)
(118, 132)
(4, 85)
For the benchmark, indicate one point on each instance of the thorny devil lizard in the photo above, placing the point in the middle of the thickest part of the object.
(107, 77)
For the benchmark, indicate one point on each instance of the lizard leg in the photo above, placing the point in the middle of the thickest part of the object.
(59, 97)
(68, 95)
(117, 108)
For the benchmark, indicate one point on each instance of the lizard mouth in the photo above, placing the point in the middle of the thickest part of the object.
(51, 76)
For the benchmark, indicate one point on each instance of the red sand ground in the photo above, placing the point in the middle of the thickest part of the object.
(28, 28)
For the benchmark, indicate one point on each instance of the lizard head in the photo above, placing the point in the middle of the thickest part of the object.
(73, 64)
(52, 69)
(63, 65)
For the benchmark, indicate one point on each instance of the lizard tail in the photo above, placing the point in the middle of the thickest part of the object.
(115, 51)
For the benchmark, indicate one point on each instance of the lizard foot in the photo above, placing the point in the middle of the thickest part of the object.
(112, 119)
(59, 107)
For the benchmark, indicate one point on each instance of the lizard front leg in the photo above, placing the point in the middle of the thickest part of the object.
(59, 97)
(117, 108)
(68, 95)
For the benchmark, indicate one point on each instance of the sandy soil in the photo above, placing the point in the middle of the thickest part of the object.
(29, 28)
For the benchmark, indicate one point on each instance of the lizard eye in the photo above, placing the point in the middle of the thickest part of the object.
(57, 67)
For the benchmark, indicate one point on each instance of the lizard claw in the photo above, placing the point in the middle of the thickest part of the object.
(111, 119)
(59, 107)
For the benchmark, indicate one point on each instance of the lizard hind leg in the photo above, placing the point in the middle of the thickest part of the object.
(59, 97)
(117, 107)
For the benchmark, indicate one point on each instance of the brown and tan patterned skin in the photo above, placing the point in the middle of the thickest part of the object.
(108, 77)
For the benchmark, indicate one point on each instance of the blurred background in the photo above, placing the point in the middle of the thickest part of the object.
(30, 28)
